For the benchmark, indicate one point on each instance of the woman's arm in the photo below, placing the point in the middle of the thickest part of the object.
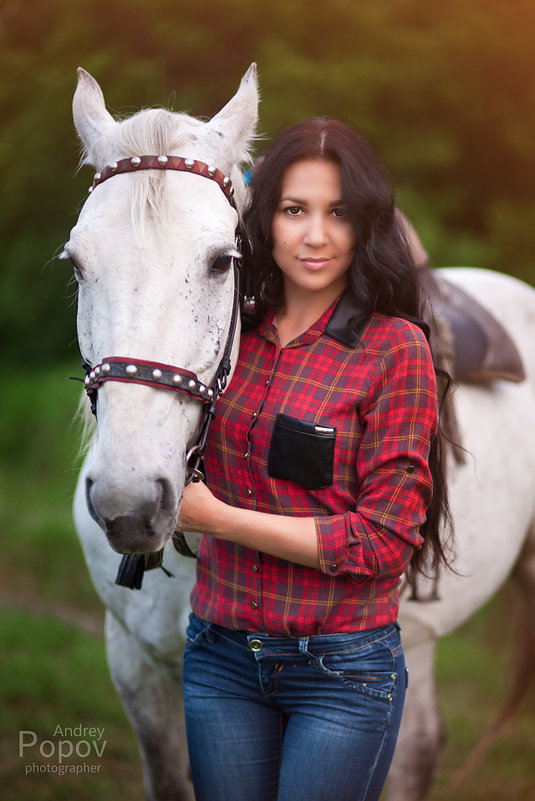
(291, 538)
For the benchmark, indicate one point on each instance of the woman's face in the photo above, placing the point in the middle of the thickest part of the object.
(313, 242)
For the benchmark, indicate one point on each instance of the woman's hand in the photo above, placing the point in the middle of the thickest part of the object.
(200, 510)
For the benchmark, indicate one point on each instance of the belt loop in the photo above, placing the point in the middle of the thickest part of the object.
(207, 632)
(303, 645)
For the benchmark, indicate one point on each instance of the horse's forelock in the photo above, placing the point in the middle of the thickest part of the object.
(151, 132)
(155, 132)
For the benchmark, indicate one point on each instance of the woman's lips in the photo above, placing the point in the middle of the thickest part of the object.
(314, 264)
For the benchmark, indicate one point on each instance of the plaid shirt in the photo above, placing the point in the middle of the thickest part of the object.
(376, 391)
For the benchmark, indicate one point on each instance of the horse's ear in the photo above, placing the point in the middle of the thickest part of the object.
(236, 123)
(93, 122)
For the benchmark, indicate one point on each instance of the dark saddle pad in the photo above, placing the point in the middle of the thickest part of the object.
(478, 346)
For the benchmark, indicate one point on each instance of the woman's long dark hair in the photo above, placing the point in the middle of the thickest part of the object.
(383, 277)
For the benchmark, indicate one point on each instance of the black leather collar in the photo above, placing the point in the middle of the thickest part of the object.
(338, 326)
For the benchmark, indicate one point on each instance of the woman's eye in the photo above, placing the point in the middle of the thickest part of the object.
(292, 211)
(222, 263)
(340, 214)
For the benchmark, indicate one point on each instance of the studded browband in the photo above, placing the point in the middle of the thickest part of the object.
(177, 163)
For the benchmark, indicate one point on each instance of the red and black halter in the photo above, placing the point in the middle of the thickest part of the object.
(165, 376)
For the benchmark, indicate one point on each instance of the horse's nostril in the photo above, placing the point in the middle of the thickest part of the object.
(168, 495)
(92, 511)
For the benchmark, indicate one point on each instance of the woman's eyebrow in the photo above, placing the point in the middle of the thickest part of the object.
(290, 199)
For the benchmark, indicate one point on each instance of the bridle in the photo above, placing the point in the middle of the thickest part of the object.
(165, 376)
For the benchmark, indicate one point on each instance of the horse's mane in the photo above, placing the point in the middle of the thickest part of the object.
(154, 132)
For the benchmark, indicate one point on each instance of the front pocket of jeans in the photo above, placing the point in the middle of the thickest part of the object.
(302, 452)
(374, 675)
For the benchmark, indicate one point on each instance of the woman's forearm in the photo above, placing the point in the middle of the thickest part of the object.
(291, 538)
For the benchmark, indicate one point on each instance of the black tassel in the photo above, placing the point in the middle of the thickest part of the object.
(133, 566)
(131, 571)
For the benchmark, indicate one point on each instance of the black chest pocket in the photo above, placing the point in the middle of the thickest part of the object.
(302, 452)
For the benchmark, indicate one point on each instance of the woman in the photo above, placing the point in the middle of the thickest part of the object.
(320, 471)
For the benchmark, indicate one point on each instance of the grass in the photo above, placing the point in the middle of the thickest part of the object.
(54, 673)
(39, 444)
(53, 670)
(56, 676)
(474, 674)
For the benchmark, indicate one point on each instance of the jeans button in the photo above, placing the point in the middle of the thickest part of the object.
(256, 645)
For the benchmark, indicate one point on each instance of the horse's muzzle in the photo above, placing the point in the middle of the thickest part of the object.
(140, 526)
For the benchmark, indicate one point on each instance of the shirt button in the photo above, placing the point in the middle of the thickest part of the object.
(249, 492)
(254, 605)
(246, 455)
(410, 468)
(254, 568)
(267, 383)
(333, 568)
(254, 414)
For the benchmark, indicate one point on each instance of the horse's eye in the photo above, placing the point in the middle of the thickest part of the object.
(222, 263)
(78, 274)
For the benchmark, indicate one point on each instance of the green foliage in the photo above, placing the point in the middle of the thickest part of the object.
(445, 92)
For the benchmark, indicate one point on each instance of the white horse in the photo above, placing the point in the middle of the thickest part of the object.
(150, 252)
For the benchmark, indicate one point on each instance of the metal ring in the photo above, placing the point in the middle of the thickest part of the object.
(195, 475)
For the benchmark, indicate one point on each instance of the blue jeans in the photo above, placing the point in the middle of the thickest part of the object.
(291, 718)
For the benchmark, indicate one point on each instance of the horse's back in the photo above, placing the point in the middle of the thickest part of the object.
(492, 493)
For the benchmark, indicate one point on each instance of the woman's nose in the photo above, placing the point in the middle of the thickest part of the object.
(316, 231)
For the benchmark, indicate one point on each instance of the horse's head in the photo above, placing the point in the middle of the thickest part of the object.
(152, 253)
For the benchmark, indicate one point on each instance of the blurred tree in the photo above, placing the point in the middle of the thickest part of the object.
(445, 92)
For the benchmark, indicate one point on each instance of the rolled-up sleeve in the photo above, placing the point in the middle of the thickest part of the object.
(399, 422)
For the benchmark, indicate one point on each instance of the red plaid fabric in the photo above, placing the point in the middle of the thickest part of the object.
(381, 397)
